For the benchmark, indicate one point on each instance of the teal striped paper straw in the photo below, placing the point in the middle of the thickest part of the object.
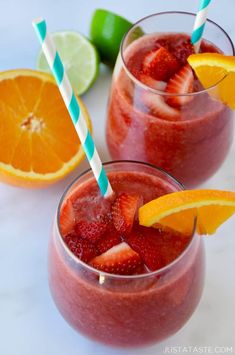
(199, 24)
(71, 103)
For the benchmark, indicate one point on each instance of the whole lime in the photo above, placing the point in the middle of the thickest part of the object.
(106, 32)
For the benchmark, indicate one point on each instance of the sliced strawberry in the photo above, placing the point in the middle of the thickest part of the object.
(158, 107)
(157, 248)
(163, 42)
(120, 259)
(180, 83)
(152, 83)
(92, 231)
(144, 241)
(108, 240)
(160, 64)
(123, 212)
(67, 217)
(81, 248)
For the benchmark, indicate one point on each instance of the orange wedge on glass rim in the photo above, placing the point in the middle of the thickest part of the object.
(216, 69)
(39, 144)
(178, 210)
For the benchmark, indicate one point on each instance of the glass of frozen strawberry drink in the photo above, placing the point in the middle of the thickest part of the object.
(158, 112)
(113, 280)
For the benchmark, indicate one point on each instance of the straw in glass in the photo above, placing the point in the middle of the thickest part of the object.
(199, 24)
(72, 105)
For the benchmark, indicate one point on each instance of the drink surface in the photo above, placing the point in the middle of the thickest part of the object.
(189, 136)
(142, 60)
(126, 310)
(100, 224)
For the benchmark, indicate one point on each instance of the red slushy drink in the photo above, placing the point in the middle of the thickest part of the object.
(159, 113)
(113, 280)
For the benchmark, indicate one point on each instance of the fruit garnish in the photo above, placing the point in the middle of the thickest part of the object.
(216, 69)
(160, 64)
(157, 248)
(152, 83)
(92, 231)
(123, 212)
(145, 246)
(180, 83)
(163, 42)
(108, 240)
(79, 56)
(80, 247)
(120, 259)
(39, 144)
(67, 218)
(106, 31)
(178, 210)
(158, 107)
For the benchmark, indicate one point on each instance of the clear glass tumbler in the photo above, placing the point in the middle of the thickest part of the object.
(125, 311)
(190, 141)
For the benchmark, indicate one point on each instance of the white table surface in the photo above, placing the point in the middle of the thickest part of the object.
(29, 322)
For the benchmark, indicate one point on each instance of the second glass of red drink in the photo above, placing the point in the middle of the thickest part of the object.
(158, 111)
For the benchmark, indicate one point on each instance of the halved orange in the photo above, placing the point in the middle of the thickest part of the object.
(39, 144)
(215, 68)
(178, 210)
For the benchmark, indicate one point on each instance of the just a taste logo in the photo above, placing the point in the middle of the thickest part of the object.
(198, 350)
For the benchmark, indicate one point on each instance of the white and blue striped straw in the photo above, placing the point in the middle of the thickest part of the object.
(71, 103)
(199, 24)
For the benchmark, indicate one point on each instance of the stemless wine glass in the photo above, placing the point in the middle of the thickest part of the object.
(126, 311)
(190, 141)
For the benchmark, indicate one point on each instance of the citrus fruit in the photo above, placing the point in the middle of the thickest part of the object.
(39, 144)
(179, 209)
(80, 59)
(214, 68)
(106, 32)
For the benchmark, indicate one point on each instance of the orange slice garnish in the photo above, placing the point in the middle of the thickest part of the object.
(39, 144)
(212, 69)
(179, 209)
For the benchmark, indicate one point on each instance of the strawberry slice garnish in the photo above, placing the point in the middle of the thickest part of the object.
(152, 83)
(108, 240)
(160, 64)
(67, 217)
(180, 83)
(144, 241)
(158, 107)
(157, 248)
(124, 210)
(120, 259)
(81, 248)
(92, 231)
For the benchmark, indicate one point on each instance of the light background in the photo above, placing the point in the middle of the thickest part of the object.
(29, 321)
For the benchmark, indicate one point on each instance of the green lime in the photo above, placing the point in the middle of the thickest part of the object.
(80, 59)
(106, 32)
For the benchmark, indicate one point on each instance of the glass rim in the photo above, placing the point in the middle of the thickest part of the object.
(161, 92)
(103, 273)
